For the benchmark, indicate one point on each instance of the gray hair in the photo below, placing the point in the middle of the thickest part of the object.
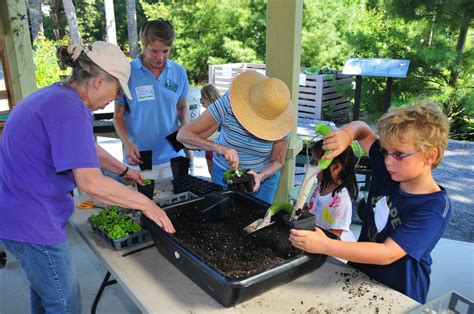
(83, 68)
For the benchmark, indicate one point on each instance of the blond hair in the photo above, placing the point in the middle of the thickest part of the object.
(424, 125)
(210, 92)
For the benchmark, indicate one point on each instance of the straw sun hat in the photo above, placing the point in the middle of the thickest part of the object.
(262, 105)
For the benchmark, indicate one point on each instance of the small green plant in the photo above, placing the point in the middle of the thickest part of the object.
(147, 181)
(230, 174)
(114, 224)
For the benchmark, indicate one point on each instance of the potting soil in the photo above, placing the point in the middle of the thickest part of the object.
(225, 246)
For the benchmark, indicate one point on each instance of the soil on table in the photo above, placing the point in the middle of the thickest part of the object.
(224, 245)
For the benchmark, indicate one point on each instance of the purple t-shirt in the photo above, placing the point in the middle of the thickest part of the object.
(46, 135)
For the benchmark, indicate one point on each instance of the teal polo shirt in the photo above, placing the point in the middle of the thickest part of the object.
(151, 115)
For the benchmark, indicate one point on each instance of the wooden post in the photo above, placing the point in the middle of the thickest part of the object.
(284, 22)
(14, 27)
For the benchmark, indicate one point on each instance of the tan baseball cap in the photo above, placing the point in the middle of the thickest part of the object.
(112, 60)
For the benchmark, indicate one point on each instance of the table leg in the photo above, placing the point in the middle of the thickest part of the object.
(104, 284)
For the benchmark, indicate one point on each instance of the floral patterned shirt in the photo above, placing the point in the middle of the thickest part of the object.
(332, 212)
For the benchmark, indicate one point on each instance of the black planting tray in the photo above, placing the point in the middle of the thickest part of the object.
(224, 289)
(195, 185)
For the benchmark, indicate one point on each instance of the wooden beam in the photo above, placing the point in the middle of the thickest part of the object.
(8, 94)
(284, 23)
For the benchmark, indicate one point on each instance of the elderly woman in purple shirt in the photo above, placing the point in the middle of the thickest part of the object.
(46, 150)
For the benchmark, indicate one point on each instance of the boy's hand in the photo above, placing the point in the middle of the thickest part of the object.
(338, 141)
(309, 241)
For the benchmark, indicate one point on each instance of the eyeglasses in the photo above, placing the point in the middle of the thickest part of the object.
(398, 156)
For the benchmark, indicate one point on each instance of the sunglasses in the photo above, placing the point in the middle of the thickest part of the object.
(398, 156)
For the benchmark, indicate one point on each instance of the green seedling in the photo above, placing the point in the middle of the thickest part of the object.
(147, 181)
(230, 174)
(276, 207)
(114, 224)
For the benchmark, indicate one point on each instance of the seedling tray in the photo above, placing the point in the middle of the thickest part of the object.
(195, 185)
(175, 199)
(127, 242)
(227, 289)
(447, 303)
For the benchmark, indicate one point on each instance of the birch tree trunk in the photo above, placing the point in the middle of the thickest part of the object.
(132, 28)
(70, 11)
(110, 21)
(36, 17)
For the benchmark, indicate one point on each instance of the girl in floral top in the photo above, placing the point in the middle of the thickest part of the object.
(331, 201)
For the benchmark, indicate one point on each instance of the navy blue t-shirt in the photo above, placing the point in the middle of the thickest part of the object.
(415, 222)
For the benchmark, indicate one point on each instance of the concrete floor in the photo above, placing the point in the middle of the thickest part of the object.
(452, 270)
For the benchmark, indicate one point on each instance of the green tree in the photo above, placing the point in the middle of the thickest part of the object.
(325, 25)
(44, 58)
(448, 19)
(212, 32)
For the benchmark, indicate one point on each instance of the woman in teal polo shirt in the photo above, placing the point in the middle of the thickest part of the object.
(158, 107)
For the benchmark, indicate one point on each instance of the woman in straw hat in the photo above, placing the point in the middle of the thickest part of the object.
(46, 150)
(255, 117)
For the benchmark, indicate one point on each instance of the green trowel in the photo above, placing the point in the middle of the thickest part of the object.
(311, 175)
(308, 181)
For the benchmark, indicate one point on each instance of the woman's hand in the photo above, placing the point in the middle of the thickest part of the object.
(257, 180)
(159, 216)
(134, 176)
(230, 155)
(132, 154)
(309, 241)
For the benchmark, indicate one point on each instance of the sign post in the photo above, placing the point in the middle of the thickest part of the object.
(389, 68)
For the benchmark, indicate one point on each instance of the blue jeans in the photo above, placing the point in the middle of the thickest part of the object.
(52, 276)
(267, 189)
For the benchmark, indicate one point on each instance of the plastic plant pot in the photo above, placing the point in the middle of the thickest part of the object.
(213, 207)
(179, 166)
(242, 184)
(148, 190)
(174, 142)
(306, 221)
(146, 157)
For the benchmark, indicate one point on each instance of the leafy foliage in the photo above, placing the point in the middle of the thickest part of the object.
(436, 36)
(230, 174)
(113, 223)
(214, 31)
(44, 58)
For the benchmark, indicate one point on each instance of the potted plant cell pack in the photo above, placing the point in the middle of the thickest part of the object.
(147, 188)
(238, 180)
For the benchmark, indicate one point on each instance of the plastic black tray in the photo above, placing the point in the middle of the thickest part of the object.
(195, 185)
(127, 242)
(225, 290)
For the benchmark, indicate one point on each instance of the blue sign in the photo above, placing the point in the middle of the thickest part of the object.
(376, 67)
